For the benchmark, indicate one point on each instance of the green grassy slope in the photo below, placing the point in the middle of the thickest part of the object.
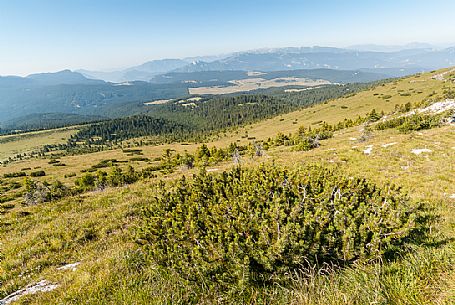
(97, 229)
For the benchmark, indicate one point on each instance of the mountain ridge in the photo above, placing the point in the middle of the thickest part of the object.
(415, 57)
(72, 93)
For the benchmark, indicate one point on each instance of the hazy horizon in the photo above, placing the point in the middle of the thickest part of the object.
(51, 35)
(119, 68)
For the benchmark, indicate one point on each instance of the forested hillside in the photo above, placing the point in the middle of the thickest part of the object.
(70, 93)
(196, 117)
(322, 196)
(227, 152)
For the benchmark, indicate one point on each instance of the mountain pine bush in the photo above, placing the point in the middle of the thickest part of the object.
(257, 225)
(414, 122)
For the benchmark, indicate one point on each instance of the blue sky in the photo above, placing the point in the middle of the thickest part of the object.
(51, 35)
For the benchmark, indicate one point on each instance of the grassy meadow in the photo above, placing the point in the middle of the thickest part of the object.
(11, 145)
(98, 228)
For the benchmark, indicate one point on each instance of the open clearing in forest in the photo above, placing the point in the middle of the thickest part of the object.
(12, 145)
(250, 84)
(331, 112)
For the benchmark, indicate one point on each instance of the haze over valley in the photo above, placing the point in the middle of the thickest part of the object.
(247, 152)
(100, 94)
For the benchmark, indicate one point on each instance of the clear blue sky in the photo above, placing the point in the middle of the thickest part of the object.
(50, 35)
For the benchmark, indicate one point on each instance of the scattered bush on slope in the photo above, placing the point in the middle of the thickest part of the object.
(257, 225)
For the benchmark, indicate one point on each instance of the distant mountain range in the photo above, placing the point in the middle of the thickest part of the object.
(143, 72)
(95, 95)
(71, 92)
(392, 48)
(65, 77)
(392, 60)
(146, 71)
(24, 100)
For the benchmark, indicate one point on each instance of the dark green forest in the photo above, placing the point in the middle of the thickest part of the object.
(182, 120)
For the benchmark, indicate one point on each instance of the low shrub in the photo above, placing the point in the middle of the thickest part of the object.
(257, 225)
(41, 192)
(69, 175)
(140, 159)
(410, 123)
(39, 173)
(14, 175)
(101, 179)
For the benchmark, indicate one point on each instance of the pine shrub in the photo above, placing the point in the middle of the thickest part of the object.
(257, 225)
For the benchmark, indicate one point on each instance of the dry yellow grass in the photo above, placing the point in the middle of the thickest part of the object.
(109, 214)
(12, 145)
(330, 112)
(39, 239)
